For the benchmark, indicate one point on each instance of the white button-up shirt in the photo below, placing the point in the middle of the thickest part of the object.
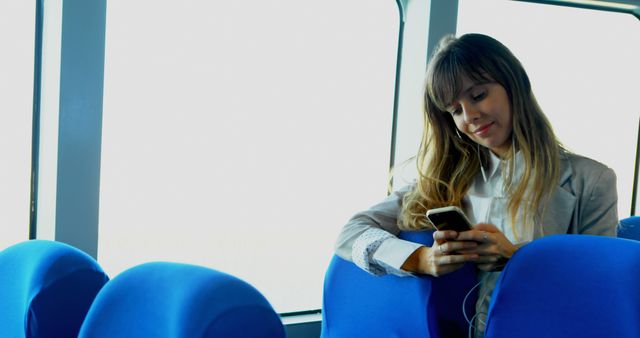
(487, 200)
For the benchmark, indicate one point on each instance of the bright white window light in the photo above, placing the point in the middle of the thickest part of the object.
(242, 135)
(17, 31)
(584, 74)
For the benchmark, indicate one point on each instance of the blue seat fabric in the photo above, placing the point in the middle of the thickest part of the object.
(46, 289)
(629, 228)
(569, 286)
(162, 299)
(357, 304)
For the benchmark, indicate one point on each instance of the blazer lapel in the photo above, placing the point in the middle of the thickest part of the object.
(560, 208)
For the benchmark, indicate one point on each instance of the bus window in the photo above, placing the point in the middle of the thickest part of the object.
(583, 68)
(17, 31)
(242, 135)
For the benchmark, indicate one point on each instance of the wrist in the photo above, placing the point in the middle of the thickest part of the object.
(414, 261)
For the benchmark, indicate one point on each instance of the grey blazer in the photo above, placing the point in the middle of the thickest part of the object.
(584, 202)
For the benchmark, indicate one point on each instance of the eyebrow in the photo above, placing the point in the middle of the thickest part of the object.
(466, 90)
(462, 92)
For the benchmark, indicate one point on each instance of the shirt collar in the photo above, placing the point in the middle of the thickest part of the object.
(496, 163)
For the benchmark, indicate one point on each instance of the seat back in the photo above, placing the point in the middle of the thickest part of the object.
(46, 289)
(175, 300)
(569, 286)
(357, 304)
(629, 228)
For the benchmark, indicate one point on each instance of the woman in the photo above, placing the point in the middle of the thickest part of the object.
(488, 148)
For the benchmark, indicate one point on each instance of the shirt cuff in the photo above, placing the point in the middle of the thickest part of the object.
(365, 246)
(392, 253)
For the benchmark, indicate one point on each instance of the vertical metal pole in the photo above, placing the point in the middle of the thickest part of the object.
(35, 124)
(70, 43)
(424, 23)
(634, 192)
(394, 122)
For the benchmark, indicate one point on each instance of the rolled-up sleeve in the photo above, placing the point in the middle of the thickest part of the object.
(369, 238)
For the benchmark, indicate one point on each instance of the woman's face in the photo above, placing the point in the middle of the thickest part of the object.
(483, 113)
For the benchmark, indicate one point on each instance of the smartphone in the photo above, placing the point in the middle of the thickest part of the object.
(449, 218)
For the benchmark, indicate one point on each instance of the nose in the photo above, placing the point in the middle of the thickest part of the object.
(469, 112)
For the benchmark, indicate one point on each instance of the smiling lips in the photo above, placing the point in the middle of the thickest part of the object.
(483, 130)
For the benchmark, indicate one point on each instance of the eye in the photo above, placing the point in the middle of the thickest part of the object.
(455, 111)
(479, 96)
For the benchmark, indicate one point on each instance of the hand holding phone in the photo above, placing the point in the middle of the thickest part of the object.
(449, 218)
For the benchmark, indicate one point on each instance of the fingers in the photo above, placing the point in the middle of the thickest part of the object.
(456, 259)
(448, 253)
(477, 236)
(489, 259)
(443, 236)
(489, 243)
(455, 247)
(445, 269)
(483, 246)
(448, 263)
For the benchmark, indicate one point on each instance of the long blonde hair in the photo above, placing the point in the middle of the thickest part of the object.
(447, 162)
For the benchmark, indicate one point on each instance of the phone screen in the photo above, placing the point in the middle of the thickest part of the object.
(449, 220)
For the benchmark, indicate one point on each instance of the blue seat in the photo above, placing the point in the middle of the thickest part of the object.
(46, 289)
(629, 228)
(569, 286)
(357, 304)
(176, 300)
